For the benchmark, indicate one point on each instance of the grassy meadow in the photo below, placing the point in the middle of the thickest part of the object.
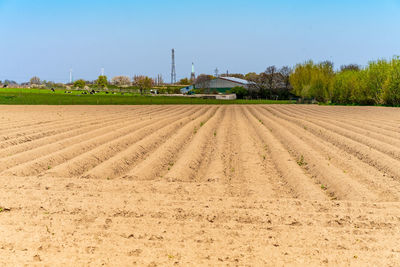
(24, 96)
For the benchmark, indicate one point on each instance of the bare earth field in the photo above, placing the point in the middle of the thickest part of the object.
(265, 185)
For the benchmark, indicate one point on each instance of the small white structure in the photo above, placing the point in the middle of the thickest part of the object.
(226, 97)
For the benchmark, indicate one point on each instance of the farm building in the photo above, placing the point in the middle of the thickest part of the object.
(222, 84)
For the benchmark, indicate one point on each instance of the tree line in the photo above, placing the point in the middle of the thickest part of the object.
(376, 84)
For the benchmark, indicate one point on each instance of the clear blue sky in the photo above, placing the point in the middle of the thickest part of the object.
(47, 38)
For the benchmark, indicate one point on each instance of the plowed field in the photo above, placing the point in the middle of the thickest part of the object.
(261, 185)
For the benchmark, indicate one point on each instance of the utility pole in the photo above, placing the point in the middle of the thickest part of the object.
(70, 76)
(173, 71)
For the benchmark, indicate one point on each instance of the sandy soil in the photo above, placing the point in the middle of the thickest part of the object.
(259, 185)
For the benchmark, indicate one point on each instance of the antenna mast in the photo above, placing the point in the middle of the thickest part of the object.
(173, 71)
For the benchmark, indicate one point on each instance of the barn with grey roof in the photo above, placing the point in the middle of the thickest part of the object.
(223, 84)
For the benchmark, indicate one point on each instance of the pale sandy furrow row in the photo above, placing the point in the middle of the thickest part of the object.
(88, 160)
(346, 114)
(39, 131)
(104, 135)
(51, 116)
(63, 136)
(258, 169)
(296, 179)
(164, 157)
(187, 165)
(381, 161)
(330, 178)
(364, 133)
(386, 188)
(81, 135)
(124, 161)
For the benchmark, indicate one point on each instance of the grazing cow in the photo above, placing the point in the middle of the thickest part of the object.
(52, 89)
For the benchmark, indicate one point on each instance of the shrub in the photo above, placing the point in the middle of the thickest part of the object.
(79, 84)
(240, 92)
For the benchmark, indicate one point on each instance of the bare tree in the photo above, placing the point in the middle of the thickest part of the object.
(352, 67)
(143, 82)
(270, 84)
(121, 81)
(203, 81)
(271, 77)
(35, 80)
(251, 76)
(285, 71)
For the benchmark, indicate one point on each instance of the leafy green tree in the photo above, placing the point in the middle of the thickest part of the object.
(300, 79)
(80, 84)
(344, 86)
(376, 75)
(391, 88)
(321, 79)
(311, 80)
(102, 81)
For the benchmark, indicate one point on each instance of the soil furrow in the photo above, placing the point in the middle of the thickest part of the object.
(359, 134)
(61, 137)
(126, 160)
(161, 160)
(39, 131)
(41, 164)
(81, 135)
(377, 159)
(301, 185)
(387, 189)
(331, 179)
(259, 172)
(88, 160)
(187, 165)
